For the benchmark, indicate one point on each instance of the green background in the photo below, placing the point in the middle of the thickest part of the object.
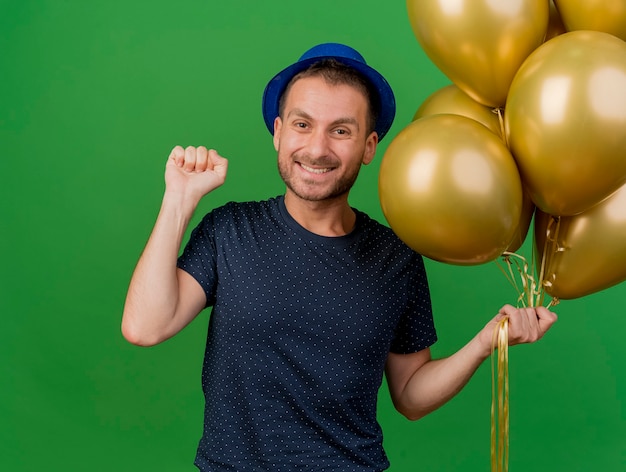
(93, 96)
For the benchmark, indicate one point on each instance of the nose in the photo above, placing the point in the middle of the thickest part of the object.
(318, 143)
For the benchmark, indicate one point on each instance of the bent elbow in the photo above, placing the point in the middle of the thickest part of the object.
(411, 415)
(136, 336)
(137, 340)
(411, 412)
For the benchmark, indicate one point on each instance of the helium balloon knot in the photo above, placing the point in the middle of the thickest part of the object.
(500, 112)
(555, 300)
(552, 228)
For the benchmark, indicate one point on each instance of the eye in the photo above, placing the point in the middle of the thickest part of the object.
(342, 131)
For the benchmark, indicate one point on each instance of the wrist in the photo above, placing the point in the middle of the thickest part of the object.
(177, 208)
(179, 203)
(483, 341)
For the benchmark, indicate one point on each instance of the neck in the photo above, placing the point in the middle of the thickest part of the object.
(325, 218)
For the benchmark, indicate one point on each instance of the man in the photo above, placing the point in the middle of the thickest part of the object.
(312, 300)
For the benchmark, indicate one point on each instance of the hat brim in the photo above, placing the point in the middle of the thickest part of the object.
(276, 87)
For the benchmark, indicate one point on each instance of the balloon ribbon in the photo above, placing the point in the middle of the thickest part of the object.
(500, 397)
(531, 293)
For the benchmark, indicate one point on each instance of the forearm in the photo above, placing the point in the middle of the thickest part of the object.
(419, 385)
(437, 381)
(153, 292)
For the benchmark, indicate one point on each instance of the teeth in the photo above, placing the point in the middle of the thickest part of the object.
(315, 171)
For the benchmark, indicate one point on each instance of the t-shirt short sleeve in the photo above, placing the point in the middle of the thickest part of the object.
(416, 329)
(198, 258)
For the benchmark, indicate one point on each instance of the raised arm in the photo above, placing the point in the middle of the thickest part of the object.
(162, 299)
(419, 384)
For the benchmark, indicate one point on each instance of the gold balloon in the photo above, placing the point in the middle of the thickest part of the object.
(565, 121)
(479, 44)
(608, 16)
(585, 253)
(449, 188)
(451, 99)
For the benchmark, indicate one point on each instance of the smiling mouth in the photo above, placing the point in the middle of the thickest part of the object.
(314, 170)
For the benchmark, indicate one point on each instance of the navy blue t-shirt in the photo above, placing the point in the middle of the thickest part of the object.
(298, 336)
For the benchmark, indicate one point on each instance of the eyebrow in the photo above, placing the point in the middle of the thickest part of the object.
(339, 121)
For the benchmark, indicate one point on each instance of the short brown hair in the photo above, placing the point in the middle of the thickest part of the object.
(337, 73)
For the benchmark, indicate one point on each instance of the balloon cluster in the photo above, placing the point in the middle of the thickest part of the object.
(532, 127)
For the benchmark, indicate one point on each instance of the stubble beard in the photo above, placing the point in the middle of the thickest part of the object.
(308, 189)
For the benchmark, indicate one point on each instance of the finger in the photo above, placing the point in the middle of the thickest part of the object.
(178, 156)
(539, 321)
(201, 159)
(520, 326)
(545, 318)
(190, 159)
(523, 325)
(507, 310)
(531, 325)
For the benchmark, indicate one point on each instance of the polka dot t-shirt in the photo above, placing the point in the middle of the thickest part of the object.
(298, 337)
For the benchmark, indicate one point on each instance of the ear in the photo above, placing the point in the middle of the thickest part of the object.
(278, 124)
(370, 147)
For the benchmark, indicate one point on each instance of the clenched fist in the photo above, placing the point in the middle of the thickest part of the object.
(193, 172)
(526, 325)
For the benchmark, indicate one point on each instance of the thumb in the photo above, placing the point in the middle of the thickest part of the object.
(216, 158)
(218, 163)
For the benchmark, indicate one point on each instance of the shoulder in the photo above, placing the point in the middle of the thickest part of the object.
(376, 231)
(236, 218)
(244, 210)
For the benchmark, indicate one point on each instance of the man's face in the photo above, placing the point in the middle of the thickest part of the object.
(322, 139)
